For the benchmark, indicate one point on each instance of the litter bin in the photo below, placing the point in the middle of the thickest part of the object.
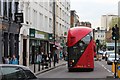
(118, 69)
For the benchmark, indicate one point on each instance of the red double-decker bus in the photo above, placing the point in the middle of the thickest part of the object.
(81, 49)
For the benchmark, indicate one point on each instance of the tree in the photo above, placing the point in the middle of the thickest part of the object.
(113, 22)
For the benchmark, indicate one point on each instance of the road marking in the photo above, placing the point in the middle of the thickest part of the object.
(105, 68)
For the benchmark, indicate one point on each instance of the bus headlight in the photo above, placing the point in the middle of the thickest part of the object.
(73, 61)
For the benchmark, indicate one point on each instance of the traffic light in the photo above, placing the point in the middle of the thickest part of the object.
(113, 33)
(97, 41)
(117, 33)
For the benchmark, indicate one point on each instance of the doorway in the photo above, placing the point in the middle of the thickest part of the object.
(24, 52)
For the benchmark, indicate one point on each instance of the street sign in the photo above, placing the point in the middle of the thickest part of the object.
(19, 17)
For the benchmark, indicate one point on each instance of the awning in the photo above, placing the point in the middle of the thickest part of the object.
(57, 44)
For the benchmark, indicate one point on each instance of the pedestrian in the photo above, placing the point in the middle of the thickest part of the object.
(7, 60)
(64, 55)
(43, 58)
(14, 60)
(55, 58)
(3, 60)
(39, 58)
(61, 55)
(49, 55)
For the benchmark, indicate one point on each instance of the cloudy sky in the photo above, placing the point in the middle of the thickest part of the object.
(91, 10)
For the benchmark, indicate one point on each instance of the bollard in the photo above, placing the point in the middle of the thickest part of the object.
(50, 62)
(113, 67)
(34, 67)
(39, 66)
(118, 69)
(43, 66)
(54, 63)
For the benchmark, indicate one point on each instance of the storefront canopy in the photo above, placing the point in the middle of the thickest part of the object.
(57, 44)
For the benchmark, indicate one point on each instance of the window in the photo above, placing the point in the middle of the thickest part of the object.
(29, 74)
(50, 5)
(41, 3)
(46, 5)
(60, 13)
(5, 8)
(80, 47)
(0, 7)
(11, 73)
(46, 22)
(35, 18)
(27, 14)
(40, 20)
(50, 22)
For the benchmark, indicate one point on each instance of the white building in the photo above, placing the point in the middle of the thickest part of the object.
(62, 17)
(100, 35)
(38, 26)
(9, 29)
(105, 21)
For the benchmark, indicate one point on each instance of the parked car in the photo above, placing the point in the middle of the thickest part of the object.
(15, 72)
(111, 58)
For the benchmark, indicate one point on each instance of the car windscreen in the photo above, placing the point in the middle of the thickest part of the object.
(113, 56)
(29, 74)
(11, 73)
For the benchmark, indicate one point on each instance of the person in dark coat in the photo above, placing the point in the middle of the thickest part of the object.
(55, 58)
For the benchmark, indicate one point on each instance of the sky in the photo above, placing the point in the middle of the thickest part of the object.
(92, 10)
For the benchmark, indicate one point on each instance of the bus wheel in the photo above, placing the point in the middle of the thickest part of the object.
(91, 69)
(70, 70)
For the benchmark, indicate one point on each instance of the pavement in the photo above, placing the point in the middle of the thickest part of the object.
(41, 69)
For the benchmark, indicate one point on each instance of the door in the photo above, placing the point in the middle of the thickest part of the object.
(24, 51)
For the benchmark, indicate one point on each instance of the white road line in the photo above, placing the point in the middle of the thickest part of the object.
(105, 68)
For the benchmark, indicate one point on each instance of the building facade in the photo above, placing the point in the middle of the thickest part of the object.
(36, 34)
(87, 24)
(74, 19)
(106, 20)
(62, 23)
(9, 29)
(100, 35)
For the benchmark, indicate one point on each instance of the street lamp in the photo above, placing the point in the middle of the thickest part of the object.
(54, 20)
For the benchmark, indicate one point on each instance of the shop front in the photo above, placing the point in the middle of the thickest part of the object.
(38, 43)
(9, 39)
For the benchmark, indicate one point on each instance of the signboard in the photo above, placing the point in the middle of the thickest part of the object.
(32, 33)
(19, 17)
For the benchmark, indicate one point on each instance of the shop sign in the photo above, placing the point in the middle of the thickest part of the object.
(41, 35)
(32, 33)
(19, 17)
(50, 36)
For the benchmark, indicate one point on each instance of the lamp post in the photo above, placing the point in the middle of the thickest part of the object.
(39, 54)
(54, 27)
(33, 44)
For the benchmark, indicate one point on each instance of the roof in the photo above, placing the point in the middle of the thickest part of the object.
(24, 67)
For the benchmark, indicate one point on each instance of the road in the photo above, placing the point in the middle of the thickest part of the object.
(102, 70)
